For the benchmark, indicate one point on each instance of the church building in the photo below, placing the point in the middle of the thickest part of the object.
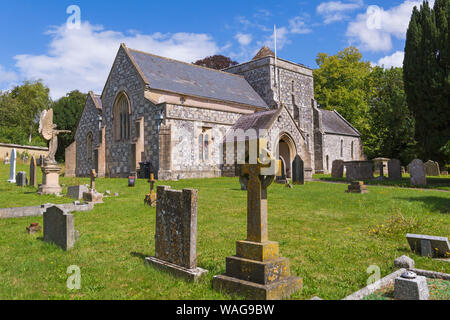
(176, 115)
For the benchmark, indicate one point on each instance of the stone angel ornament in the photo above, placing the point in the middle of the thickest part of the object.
(48, 131)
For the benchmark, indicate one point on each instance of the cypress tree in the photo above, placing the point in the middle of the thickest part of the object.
(426, 76)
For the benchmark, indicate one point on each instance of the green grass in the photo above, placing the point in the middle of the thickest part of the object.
(439, 290)
(331, 238)
(438, 183)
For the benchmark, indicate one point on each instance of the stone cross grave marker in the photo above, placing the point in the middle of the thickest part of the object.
(417, 172)
(394, 169)
(59, 228)
(257, 271)
(150, 199)
(298, 174)
(429, 246)
(12, 167)
(92, 195)
(337, 169)
(33, 179)
(176, 233)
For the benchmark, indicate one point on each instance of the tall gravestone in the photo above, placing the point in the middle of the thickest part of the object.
(12, 167)
(298, 174)
(176, 233)
(432, 168)
(337, 169)
(257, 271)
(394, 169)
(59, 228)
(417, 172)
(33, 167)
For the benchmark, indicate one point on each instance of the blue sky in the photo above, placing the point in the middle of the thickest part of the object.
(38, 43)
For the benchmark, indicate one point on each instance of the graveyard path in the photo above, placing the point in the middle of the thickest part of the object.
(380, 185)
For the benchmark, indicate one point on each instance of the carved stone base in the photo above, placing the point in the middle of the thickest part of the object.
(258, 272)
(93, 197)
(188, 274)
(50, 180)
(254, 291)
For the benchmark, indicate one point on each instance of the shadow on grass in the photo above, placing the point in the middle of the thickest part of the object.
(433, 203)
(139, 255)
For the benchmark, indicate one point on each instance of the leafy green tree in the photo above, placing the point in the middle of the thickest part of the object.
(217, 62)
(66, 115)
(19, 112)
(427, 79)
(391, 131)
(342, 82)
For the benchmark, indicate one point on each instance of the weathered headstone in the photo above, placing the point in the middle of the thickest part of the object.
(176, 233)
(257, 271)
(403, 171)
(432, 168)
(298, 174)
(12, 167)
(337, 169)
(41, 160)
(357, 187)
(394, 169)
(33, 178)
(417, 172)
(59, 228)
(429, 246)
(21, 179)
(71, 160)
(410, 286)
(76, 192)
(359, 170)
(444, 173)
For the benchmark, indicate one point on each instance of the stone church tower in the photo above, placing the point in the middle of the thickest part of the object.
(282, 82)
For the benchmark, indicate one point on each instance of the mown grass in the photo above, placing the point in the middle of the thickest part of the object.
(327, 234)
(438, 183)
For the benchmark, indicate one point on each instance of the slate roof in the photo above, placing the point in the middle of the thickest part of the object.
(264, 52)
(97, 100)
(184, 78)
(258, 121)
(334, 123)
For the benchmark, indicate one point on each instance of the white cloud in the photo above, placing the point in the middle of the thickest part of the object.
(333, 11)
(394, 60)
(297, 25)
(375, 29)
(82, 58)
(244, 39)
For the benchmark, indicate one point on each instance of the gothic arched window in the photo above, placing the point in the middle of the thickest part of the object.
(121, 116)
(353, 146)
(342, 148)
(89, 140)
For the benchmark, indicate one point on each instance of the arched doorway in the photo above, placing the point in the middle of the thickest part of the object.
(287, 151)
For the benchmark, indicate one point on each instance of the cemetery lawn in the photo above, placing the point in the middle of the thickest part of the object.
(330, 236)
(438, 183)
